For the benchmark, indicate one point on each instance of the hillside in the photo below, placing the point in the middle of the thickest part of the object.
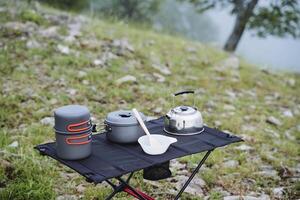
(49, 58)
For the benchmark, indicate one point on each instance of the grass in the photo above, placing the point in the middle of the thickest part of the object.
(36, 81)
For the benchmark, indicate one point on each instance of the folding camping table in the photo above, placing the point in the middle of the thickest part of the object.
(111, 160)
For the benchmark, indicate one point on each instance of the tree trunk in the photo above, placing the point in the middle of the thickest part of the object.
(242, 18)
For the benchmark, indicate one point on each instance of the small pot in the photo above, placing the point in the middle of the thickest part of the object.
(73, 132)
(122, 127)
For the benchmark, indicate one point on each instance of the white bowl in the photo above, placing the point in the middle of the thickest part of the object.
(164, 141)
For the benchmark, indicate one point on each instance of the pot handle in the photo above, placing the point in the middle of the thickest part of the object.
(72, 127)
(184, 92)
(70, 140)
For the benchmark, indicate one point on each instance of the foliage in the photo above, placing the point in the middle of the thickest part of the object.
(274, 17)
(134, 10)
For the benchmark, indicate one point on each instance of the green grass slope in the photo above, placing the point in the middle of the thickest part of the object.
(49, 59)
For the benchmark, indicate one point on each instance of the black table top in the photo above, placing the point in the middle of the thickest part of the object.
(110, 160)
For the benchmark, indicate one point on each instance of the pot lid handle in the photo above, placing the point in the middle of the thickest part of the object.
(181, 93)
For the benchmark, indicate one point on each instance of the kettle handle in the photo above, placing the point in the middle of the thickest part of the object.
(184, 92)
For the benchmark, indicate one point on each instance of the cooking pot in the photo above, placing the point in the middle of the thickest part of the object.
(122, 127)
(183, 120)
(73, 132)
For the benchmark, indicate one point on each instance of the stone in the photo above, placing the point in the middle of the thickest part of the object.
(159, 78)
(194, 188)
(288, 113)
(268, 171)
(191, 49)
(72, 91)
(53, 101)
(123, 44)
(85, 82)
(157, 110)
(236, 197)
(229, 107)
(289, 136)
(248, 127)
(80, 188)
(127, 78)
(47, 121)
(278, 192)
(63, 49)
(231, 94)
(291, 82)
(231, 62)
(81, 74)
(162, 69)
(28, 27)
(14, 144)
(67, 197)
(98, 62)
(33, 44)
(274, 121)
(50, 32)
(244, 147)
(231, 164)
(217, 123)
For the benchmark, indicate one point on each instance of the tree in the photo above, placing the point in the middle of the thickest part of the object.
(273, 17)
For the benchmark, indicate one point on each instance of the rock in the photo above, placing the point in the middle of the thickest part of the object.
(288, 113)
(53, 101)
(194, 188)
(278, 192)
(33, 44)
(28, 27)
(50, 32)
(98, 62)
(127, 78)
(47, 121)
(231, 62)
(85, 82)
(67, 197)
(63, 49)
(162, 69)
(191, 49)
(123, 44)
(81, 74)
(229, 107)
(80, 188)
(72, 91)
(244, 147)
(157, 110)
(231, 164)
(217, 123)
(291, 82)
(272, 132)
(274, 121)
(14, 144)
(159, 78)
(248, 127)
(268, 171)
(231, 94)
(210, 104)
(289, 136)
(235, 197)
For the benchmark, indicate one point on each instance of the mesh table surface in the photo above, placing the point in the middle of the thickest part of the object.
(110, 160)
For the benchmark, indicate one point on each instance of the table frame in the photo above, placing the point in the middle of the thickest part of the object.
(124, 185)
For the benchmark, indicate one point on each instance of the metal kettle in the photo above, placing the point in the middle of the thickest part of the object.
(183, 120)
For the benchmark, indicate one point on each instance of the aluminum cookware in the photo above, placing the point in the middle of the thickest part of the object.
(183, 120)
(73, 131)
(122, 127)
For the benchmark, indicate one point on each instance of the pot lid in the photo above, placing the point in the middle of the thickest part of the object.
(123, 117)
(184, 110)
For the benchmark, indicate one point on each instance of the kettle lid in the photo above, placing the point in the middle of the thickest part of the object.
(184, 110)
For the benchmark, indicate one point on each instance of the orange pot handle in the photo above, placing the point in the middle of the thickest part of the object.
(71, 128)
(69, 139)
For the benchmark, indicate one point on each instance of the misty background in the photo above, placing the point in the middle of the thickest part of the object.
(213, 27)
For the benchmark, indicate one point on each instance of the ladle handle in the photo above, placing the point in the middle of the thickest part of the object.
(138, 117)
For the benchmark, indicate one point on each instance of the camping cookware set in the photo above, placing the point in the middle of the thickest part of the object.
(73, 129)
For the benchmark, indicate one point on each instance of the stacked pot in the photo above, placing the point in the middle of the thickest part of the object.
(73, 131)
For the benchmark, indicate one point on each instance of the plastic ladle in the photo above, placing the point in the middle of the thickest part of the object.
(152, 141)
(153, 144)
